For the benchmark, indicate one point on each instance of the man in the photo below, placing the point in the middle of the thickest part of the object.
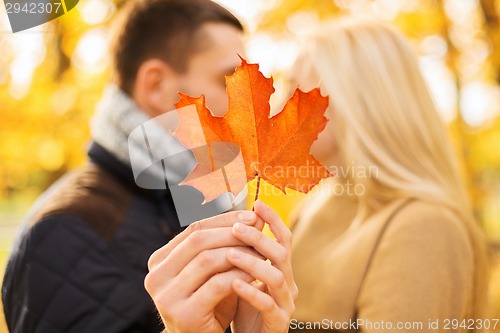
(81, 258)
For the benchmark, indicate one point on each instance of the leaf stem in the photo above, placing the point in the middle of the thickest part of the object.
(257, 191)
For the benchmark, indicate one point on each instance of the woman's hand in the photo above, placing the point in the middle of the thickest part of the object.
(266, 306)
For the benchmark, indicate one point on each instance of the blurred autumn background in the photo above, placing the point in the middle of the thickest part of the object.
(51, 77)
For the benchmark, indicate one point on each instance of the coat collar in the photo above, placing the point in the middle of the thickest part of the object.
(162, 197)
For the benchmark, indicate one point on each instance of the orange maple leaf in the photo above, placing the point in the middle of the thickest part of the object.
(275, 149)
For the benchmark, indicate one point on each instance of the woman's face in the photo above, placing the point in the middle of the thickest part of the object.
(325, 148)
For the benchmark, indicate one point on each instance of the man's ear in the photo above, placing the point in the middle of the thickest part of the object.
(156, 86)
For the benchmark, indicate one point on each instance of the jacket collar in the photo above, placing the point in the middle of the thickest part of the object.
(100, 156)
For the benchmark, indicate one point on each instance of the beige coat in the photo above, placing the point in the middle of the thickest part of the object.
(409, 263)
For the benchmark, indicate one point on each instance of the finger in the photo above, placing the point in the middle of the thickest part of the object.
(278, 254)
(207, 264)
(266, 273)
(276, 320)
(194, 244)
(276, 225)
(259, 223)
(194, 274)
(217, 288)
(219, 221)
(269, 248)
(203, 303)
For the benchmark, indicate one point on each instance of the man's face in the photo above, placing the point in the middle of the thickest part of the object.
(207, 68)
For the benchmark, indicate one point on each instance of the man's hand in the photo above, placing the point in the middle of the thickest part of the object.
(190, 279)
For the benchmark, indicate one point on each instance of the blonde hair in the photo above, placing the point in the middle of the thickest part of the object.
(384, 116)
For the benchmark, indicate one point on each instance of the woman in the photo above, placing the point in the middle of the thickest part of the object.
(392, 246)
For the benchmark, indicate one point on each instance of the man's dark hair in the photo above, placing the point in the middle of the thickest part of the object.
(161, 29)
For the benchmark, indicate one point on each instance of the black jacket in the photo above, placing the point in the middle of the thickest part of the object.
(80, 260)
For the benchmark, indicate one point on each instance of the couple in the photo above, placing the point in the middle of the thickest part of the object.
(100, 254)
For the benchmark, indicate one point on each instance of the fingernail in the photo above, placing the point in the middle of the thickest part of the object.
(241, 228)
(246, 216)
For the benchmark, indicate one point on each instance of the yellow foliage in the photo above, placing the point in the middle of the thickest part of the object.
(44, 133)
(276, 18)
